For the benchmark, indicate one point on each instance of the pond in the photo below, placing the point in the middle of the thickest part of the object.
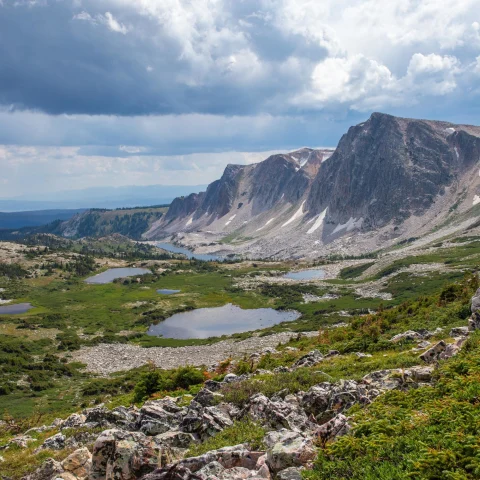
(15, 308)
(188, 253)
(167, 291)
(306, 275)
(110, 275)
(218, 321)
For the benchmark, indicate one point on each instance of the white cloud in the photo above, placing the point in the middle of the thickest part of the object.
(49, 169)
(106, 19)
(113, 24)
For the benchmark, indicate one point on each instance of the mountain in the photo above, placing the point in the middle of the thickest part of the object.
(128, 222)
(100, 197)
(389, 179)
(245, 192)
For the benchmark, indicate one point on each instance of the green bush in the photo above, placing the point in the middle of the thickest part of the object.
(167, 380)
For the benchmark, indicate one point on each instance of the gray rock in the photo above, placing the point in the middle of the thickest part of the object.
(336, 427)
(126, 455)
(230, 378)
(409, 335)
(48, 470)
(476, 302)
(291, 473)
(433, 354)
(57, 442)
(207, 398)
(176, 439)
(459, 332)
(288, 449)
(309, 360)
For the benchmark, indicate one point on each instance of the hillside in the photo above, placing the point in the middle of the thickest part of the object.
(390, 179)
(14, 220)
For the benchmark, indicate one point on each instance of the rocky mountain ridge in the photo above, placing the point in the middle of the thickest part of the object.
(389, 179)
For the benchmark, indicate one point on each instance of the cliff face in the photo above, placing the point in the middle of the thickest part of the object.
(389, 179)
(245, 191)
(388, 169)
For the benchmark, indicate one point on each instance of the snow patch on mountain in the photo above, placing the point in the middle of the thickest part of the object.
(318, 222)
(295, 216)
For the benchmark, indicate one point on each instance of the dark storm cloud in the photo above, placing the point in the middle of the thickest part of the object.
(109, 58)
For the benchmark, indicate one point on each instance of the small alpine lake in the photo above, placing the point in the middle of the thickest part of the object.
(15, 309)
(169, 247)
(218, 321)
(113, 273)
(306, 275)
(167, 291)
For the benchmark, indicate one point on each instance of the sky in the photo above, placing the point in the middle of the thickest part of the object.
(123, 92)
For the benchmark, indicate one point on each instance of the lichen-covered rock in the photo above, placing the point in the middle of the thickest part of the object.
(433, 354)
(476, 302)
(309, 360)
(336, 427)
(74, 421)
(207, 398)
(176, 439)
(276, 414)
(286, 448)
(409, 335)
(48, 470)
(120, 455)
(459, 332)
(291, 473)
(78, 463)
(56, 442)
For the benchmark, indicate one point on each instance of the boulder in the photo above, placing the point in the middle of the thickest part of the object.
(230, 378)
(228, 457)
(276, 415)
(474, 322)
(47, 471)
(433, 354)
(362, 355)
(291, 473)
(120, 455)
(288, 449)
(409, 335)
(65, 476)
(452, 348)
(176, 439)
(211, 470)
(336, 427)
(309, 360)
(459, 332)
(421, 374)
(476, 301)
(75, 420)
(317, 399)
(176, 472)
(57, 442)
(153, 419)
(208, 398)
(78, 463)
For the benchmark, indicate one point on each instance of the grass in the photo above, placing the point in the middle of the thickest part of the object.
(242, 431)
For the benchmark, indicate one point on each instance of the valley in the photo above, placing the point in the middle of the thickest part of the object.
(296, 311)
(86, 344)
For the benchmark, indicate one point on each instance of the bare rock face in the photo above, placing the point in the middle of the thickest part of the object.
(389, 168)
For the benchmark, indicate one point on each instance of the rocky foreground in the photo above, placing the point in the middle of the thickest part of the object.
(152, 442)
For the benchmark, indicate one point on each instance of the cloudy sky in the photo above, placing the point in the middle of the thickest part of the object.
(121, 92)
